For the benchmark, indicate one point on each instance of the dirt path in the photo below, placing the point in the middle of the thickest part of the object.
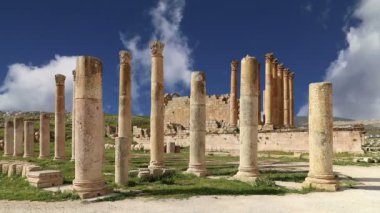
(364, 199)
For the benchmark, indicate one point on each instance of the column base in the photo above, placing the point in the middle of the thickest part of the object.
(43, 157)
(28, 156)
(247, 174)
(90, 189)
(72, 159)
(268, 127)
(198, 171)
(59, 158)
(324, 184)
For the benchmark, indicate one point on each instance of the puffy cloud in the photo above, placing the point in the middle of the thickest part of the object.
(166, 19)
(32, 88)
(355, 73)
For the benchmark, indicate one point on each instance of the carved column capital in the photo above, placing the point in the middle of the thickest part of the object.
(60, 79)
(156, 48)
(125, 57)
(234, 65)
(269, 57)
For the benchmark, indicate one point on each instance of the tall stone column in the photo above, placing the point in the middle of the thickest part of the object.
(124, 139)
(321, 137)
(73, 122)
(44, 135)
(157, 107)
(18, 136)
(248, 169)
(268, 90)
(233, 96)
(89, 125)
(258, 88)
(280, 84)
(8, 138)
(286, 98)
(59, 148)
(275, 106)
(197, 163)
(28, 139)
(291, 100)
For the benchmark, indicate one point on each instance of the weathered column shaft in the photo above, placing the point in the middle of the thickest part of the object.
(44, 135)
(280, 82)
(275, 97)
(157, 107)
(321, 137)
(8, 137)
(59, 148)
(89, 128)
(234, 92)
(268, 89)
(286, 98)
(18, 136)
(73, 122)
(28, 139)
(258, 88)
(124, 139)
(197, 163)
(291, 100)
(248, 122)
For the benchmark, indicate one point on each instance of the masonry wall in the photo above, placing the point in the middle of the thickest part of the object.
(344, 140)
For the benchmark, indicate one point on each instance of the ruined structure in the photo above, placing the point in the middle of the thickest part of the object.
(124, 139)
(18, 137)
(59, 148)
(44, 135)
(28, 139)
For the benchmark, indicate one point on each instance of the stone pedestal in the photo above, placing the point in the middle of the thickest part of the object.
(73, 123)
(18, 136)
(233, 94)
(321, 138)
(197, 162)
(157, 107)
(286, 98)
(59, 148)
(124, 140)
(89, 128)
(28, 139)
(248, 169)
(268, 90)
(44, 135)
(8, 138)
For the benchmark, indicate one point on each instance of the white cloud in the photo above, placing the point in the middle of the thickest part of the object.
(166, 20)
(32, 88)
(355, 73)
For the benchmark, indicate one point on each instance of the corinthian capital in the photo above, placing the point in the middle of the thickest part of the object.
(234, 65)
(156, 48)
(269, 57)
(125, 57)
(60, 79)
(281, 67)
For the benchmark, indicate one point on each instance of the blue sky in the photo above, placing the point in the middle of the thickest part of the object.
(40, 38)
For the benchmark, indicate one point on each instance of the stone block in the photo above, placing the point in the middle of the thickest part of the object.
(47, 178)
(4, 168)
(12, 169)
(29, 168)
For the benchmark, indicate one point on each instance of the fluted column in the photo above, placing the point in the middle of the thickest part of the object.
(73, 122)
(291, 100)
(233, 96)
(59, 148)
(44, 135)
(248, 169)
(268, 89)
(8, 137)
(28, 139)
(124, 139)
(321, 137)
(286, 98)
(89, 128)
(280, 84)
(275, 107)
(18, 136)
(197, 162)
(157, 107)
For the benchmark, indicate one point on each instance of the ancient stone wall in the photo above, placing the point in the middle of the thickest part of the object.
(177, 109)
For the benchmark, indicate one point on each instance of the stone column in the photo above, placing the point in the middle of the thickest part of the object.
(124, 139)
(321, 138)
(291, 100)
(275, 106)
(258, 95)
(18, 136)
(8, 138)
(73, 122)
(59, 148)
(197, 163)
(157, 107)
(286, 98)
(89, 128)
(233, 96)
(280, 84)
(28, 139)
(268, 90)
(44, 135)
(248, 169)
